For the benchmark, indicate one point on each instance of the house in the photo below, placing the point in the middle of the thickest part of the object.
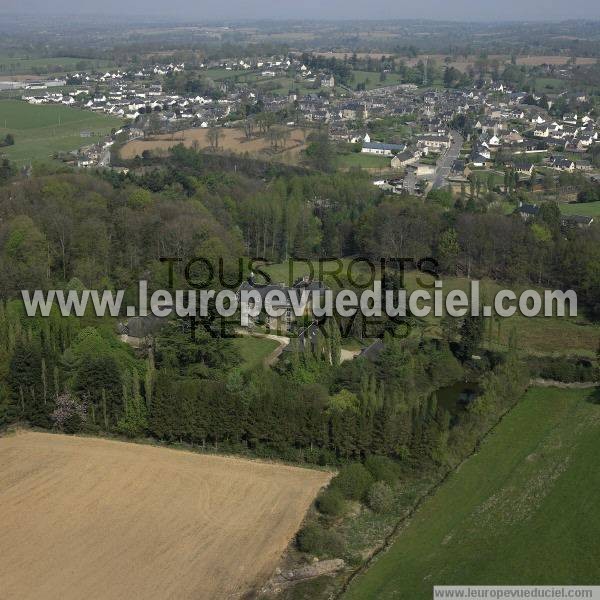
(435, 142)
(514, 137)
(479, 160)
(494, 141)
(402, 159)
(528, 211)
(523, 168)
(382, 149)
(561, 164)
(328, 81)
(278, 297)
(580, 221)
(354, 111)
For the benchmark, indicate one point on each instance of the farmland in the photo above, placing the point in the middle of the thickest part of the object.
(28, 65)
(94, 518)
(41, 131)
(591, 209)
(230, 140)
(505, 516)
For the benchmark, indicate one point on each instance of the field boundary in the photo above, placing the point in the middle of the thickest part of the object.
(394, 534)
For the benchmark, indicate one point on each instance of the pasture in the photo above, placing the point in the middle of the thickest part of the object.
(591, 209)
(94, 518)
(42, 130)
(522, 510)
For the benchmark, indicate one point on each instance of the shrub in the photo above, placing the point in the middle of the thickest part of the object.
(381, 497)
(383, 468)
(331, 502)
(353, 481)
(314, 539)
(69, 414)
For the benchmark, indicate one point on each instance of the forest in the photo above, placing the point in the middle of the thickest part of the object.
(75, 231)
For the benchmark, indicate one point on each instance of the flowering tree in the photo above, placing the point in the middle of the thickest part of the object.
(69, 413)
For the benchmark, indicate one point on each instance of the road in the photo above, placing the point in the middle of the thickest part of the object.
(447, 159)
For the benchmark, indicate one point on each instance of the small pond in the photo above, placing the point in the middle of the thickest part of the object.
(457, 396)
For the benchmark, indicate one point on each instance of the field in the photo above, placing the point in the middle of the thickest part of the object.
(254, 350)
(372, 80)
(93, 518)
(365, 161)
(549, 85)
(591, 209)
(230, 140)
(462, 64)
(522, 510)
(40, 131)
(11, 65)
(44, 66)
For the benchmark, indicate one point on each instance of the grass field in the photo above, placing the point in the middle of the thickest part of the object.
(40, 131)
(365, 161)
(549, 85)
(254, 350)
(230, 140)
(523, 510)
(372, 79)
(25, 65)
(591, 209)
(93, 518)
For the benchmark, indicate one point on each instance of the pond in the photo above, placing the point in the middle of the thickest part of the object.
(456, 397)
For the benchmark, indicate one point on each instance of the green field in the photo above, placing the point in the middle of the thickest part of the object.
(372, 80)
(591, 209)
(254, 350)
(522, 510)
(365, 161)
(545, 85)
(40, 131)
(26, 65)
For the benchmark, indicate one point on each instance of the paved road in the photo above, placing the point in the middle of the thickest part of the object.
(445, 162)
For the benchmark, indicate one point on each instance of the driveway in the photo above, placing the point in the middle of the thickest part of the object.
(445, 162)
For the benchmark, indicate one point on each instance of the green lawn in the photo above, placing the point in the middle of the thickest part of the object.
(280, 272)
(497, 176)
(549, 84)
(254, 350)
(591, 209)
(523, 510)
(372, 79)
(40, 131)
(366, 161)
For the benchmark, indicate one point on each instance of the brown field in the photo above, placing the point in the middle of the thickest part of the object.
(231, 140)
(463, 64)
(99, 519)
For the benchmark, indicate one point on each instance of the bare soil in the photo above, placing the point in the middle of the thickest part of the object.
(230, 140)
(99, 519)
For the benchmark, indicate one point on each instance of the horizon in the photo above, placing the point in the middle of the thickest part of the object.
(235, 11)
